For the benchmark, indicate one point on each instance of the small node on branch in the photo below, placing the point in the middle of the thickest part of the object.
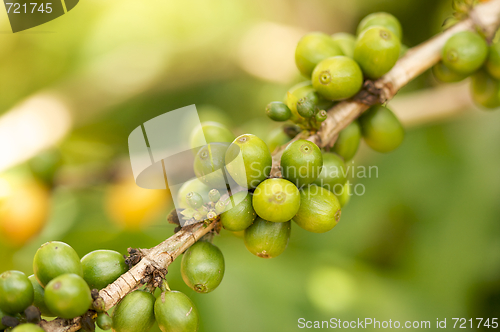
(369, 94)
(88, 321)
(147, 275)
(134, 257)
(158, 277)
(33, 314)
(95, 294)
(10, 321)
(154, 276)
(98, 303)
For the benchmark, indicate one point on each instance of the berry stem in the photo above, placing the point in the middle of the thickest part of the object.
(164, 286)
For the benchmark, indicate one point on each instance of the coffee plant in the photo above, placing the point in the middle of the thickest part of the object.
(300, 182)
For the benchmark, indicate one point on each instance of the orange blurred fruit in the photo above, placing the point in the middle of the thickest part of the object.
(132, 207)
(24, 209)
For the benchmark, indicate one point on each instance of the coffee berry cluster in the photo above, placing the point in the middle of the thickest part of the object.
(65, 286)
(468, 54)
(337, 67)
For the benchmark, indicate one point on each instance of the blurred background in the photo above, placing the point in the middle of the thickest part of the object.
(422, 243)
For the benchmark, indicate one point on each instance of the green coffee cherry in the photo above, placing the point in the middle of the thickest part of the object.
(241, 214)
(189, 186)
(298, 92)
(446, 75)
(28, 328)
(301, 162)
(194, 200)
(337, 78)
(319, 210)
(347, 143)
(134, 313)
(104, 321)
(202, 267)
(276, 200)
(306, 107)
(209, 165)
(381, 129)
(313, 48)
(220, 207)
(321, 116)
(175, 312)
(16, 292)
(485, 90)
(344, 196)
(214, 195)
(102, 267)
(465, 52)
(377, 50)
(385, 20)
(278, 111)
(493, 61)
(333, 173)
(248, 160)
(210, 132)
(277, 137)
(39, 298)
(346, 42)
(53, 259)
(68, 296)
(267, 239)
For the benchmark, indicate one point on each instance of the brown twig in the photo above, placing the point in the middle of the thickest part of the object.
(485, 17)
